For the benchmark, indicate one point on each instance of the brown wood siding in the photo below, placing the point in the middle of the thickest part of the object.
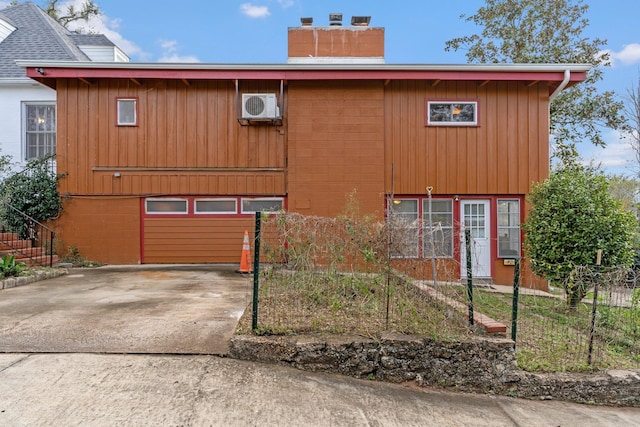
(502, 155)
(106, 230)
(194, 240)
(187, 141)
(336, 146)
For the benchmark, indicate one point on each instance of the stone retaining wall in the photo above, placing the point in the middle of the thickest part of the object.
(481, 365)
(37, 275)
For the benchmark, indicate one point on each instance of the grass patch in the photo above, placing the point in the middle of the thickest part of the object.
(355, 303)
(551, 337)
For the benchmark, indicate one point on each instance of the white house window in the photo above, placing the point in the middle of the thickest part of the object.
(508, 228)
(166, 206)
(270, 204)
(447, 113)
(216, 206)
(405, 228)
(127, 112)
(415, 233)
(40, 129)
(437, 231)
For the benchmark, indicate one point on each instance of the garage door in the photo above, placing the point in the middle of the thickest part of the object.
(185, 230)
(194, 240)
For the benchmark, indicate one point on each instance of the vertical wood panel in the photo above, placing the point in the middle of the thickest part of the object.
(491, 158)
(513, 124)
(171, 130)
(62, 134)
(72, 136)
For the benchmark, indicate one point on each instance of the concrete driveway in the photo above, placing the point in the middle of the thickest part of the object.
(174, 309)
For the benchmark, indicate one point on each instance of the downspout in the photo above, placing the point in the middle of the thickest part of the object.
(563, 84)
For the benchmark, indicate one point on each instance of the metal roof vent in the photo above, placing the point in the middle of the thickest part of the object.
(360, 21)
(335, 19)
(306, 22)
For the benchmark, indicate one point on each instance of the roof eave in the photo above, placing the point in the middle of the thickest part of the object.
(41, 70)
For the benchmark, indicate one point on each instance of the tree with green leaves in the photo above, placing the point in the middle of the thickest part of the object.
(632, 112)
(572, 216)
(549, 31)
(71, 13)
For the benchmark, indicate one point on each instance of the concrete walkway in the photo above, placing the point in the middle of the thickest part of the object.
(185, 309)
(147, 390)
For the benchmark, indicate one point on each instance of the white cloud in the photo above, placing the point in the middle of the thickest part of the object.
(629, 55)
(102, 24)
(170, 53)
(254, 11)
(286, 3)
(616, 158)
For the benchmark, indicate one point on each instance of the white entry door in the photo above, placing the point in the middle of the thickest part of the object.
(474, 215)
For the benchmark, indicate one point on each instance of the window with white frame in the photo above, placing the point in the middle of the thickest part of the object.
(39, 129)
(508, 228)
(420, 228)
(452, 113)
(437, 230)
(404, 228)
(215, 206)
(127, 111)
(266, 204)
(167, 206)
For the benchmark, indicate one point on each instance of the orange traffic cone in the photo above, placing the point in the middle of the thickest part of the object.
(245, 258)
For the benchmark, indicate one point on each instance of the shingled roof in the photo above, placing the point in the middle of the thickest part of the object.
(38, 36)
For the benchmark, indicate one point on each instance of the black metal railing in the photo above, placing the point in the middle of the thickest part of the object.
(30, 239)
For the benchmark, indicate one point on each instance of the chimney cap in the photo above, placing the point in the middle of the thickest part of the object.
(306, 21)
(360, 21)
(335, 19)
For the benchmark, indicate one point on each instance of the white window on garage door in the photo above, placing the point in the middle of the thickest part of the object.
(264, 204)
(215, 206)
(167, 206)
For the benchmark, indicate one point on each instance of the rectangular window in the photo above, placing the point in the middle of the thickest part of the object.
(262, 205)
(437, 230)
(216, 206)
(455, 113)
(40, 129)
(508, 228)
(127, 112)
(166, 206)
(404, 227)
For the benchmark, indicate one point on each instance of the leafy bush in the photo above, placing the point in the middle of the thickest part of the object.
(34, 191)
(572, 216)
(9, 267)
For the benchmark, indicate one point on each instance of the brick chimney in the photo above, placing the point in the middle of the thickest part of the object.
(336, 44)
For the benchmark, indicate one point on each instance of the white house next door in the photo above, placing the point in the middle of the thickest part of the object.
(474, 215)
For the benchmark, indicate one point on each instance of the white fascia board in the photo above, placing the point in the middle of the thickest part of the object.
(307, 66)
(5, 29)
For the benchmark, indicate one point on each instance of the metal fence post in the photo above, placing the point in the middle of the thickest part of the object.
(467, 237)
(516, 294)
(256, 274)
(594, 308)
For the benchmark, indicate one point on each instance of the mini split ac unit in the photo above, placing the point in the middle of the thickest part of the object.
(260, 106)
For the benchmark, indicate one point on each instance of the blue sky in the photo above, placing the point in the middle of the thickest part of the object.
(255, 31)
